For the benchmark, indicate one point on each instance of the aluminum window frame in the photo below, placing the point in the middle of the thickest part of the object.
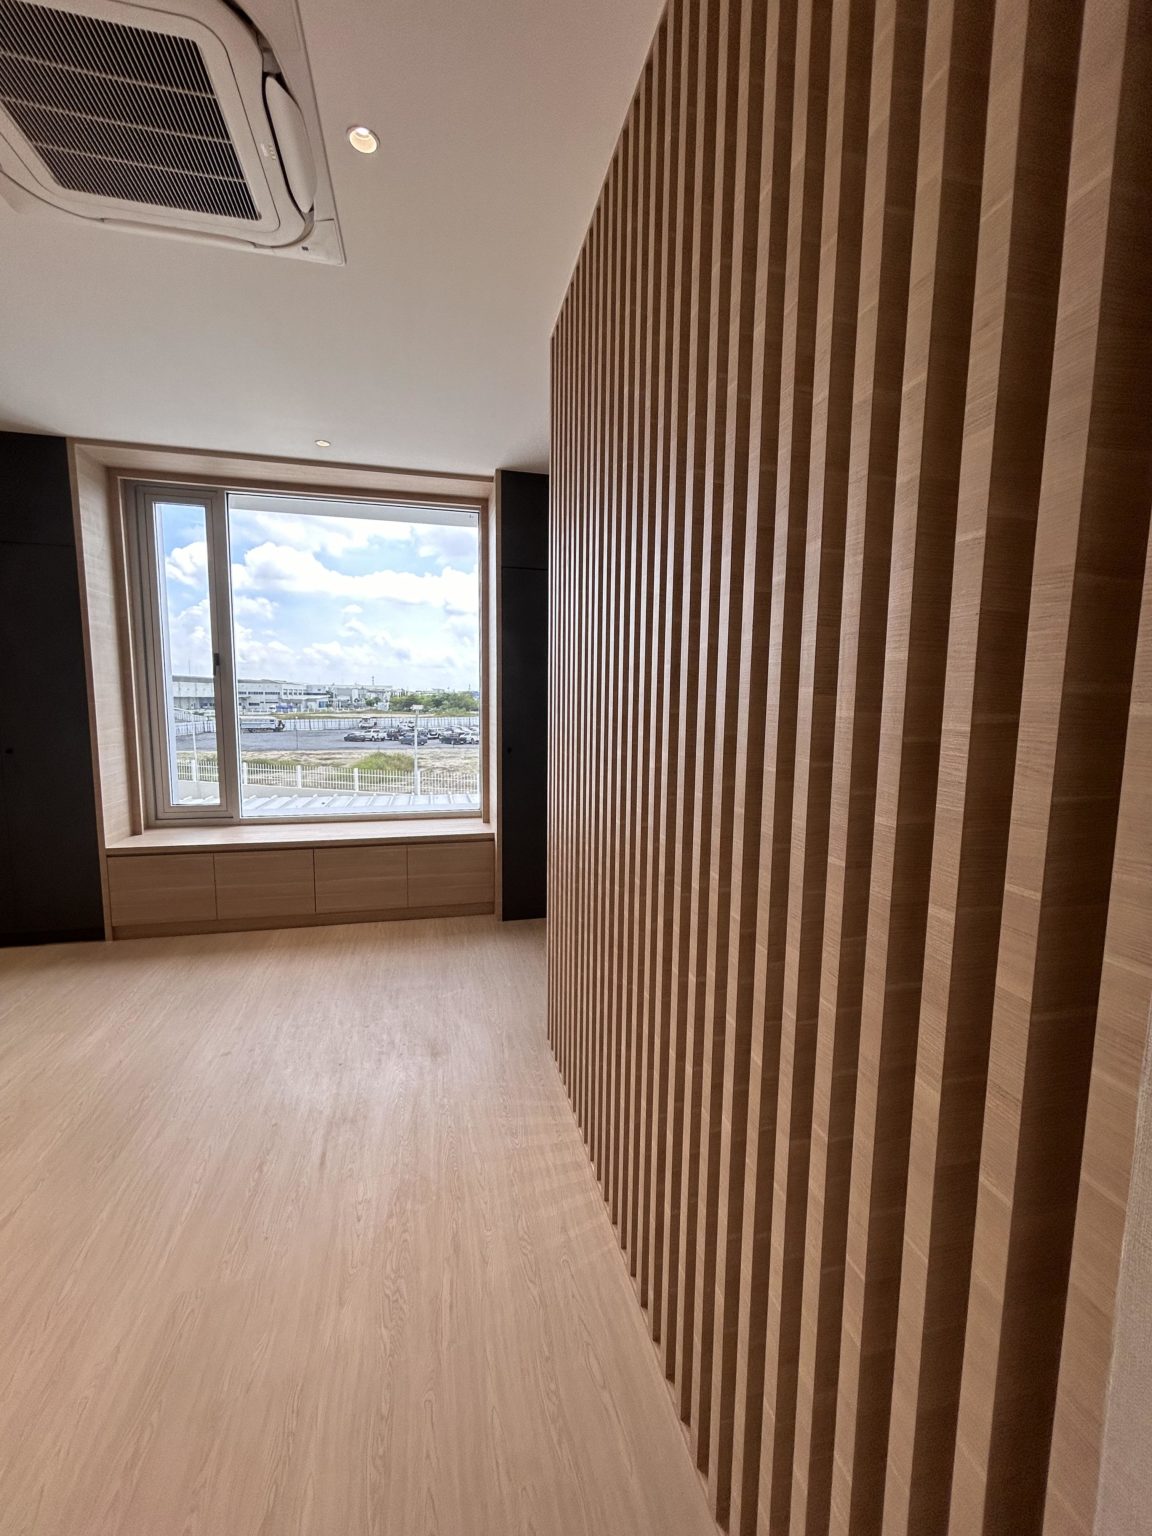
(158, 754)
(146, 603)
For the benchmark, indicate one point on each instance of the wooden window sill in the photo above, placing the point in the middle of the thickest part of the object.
(456, 829)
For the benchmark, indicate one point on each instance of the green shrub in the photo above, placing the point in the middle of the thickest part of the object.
(386, 762)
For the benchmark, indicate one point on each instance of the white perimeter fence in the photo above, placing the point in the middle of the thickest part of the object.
(357, 781)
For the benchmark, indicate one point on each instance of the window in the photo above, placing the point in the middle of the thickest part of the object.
(307, 657)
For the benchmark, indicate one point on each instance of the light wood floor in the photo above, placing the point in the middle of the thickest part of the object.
(297, 1234)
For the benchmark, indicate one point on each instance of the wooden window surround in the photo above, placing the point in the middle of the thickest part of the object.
(351, 871)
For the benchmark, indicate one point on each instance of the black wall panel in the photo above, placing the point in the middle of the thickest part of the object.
(522, 510)
(49, 843)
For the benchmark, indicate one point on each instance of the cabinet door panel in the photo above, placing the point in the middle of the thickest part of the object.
(266, 884)
(361, 879)
(450, 874)
(161, 888)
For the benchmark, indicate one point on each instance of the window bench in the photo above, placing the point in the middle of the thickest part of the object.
(217, 879)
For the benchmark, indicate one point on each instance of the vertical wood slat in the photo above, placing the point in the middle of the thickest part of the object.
(732, 321)
(794, 392)
(890, 186)
(823, 498)
(802, 435)
(666, 767)
(1031, 96)
(609, 1003)
(737, 771)
(652, 604)
(696, 824)
(932, 404)
(661, 680)
(1091, 543)
(703, 1129)
(738, 1326)
(1122, 1048)
(684, 577)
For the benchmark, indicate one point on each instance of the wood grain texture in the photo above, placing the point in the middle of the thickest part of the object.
(162, 888)
(915, 651)
(107, 633)
(1091, 541)
(889, 199)
(852, 471)
(240, 882)
(265, 884)
(1031, 94)
(450, 873)
(306, 834)
(305, 920)
(360, 879)
(298, 1235)
(102, 476)
(1110, 1247)
(191, 466)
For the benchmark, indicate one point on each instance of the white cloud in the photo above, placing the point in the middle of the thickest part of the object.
(296, 617)
(188, 563)
(448, 544)
(254, 608)
(190, 639)
(319, 535)
(390, 660)
(259, 657)
(279, 568)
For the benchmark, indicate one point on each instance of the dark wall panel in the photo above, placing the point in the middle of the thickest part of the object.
(522, 509)
(49, 845)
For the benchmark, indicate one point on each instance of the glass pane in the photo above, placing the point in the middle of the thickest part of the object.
(357, 643)
(186, 633)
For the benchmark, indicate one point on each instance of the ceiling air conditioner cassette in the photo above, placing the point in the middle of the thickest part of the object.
(175, 117)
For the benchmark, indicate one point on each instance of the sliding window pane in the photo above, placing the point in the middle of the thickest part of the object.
(356, 638)
(189, 721)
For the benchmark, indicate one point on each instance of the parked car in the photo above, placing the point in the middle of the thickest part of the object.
(363, 736)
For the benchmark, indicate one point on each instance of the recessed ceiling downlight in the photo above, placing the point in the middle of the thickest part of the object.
(363, 139)
(322, 442)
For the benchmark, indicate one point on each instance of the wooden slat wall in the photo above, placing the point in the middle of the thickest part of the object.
(850, 910)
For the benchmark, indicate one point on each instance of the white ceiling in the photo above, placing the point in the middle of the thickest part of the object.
(429, 350)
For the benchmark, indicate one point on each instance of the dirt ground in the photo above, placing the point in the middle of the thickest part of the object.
(463, 759)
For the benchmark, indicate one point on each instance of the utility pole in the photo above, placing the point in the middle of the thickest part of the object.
(416, 708)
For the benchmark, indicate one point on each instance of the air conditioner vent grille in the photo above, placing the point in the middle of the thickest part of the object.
(119, 112)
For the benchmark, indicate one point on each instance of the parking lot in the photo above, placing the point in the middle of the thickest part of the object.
(329, 740)
(307, 766)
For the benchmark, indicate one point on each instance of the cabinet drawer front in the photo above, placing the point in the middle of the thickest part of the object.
(450, 874)
(161, 888)
(265, 884)
(361, 879)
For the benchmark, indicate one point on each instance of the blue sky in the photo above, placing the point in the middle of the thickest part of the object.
(330, 599)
